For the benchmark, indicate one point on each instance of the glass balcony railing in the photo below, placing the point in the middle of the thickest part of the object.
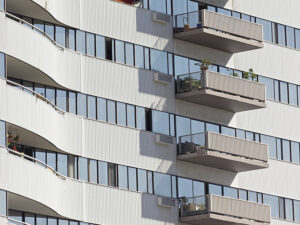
(193, 206)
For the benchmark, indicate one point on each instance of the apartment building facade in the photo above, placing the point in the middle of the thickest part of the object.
(152, 112)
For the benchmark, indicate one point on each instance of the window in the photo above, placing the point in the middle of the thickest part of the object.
(71, 39)
(130, 116)
(40, 155)
(181, 65)
(292, 94)
(111, 111)
(120, 47)
(2, 6)
(61, 99)
(147, 58)
(62, 164)
(51, 160)
(49, 29)
(288, 209)
(295, 152)
(245, 17)
(92, 107)
(297, 35)
(212, 128)
(142, 180)
(286, 150)
(185, 187)
(2, 133)
(63, 222)
(273, 202)
(112, 174)
(174, 187)
(297, 211)
(172, 125)
(281, 208)
(2, 65)
(109, 48)
(267, 29)
(162, 184)
(225, 12)
(121, 113)
(252, 196)
(160, 122)
(132, 179)
(159, 6)
(72, 102)
(283, 92)
(90, 44)
(101, 109)
(81, 104)
(40, 89)
(50, 94)
(82, 169)
(225, 70)
(80, 41)
(150, 182)
(279, 148)
(51, 221)
(159, 61)
(140, 118)
(3, 203)
(100, 46)
(129, 54)
(298, 88)
(39, 24)
(290, 37)
(281, 34)
(30, 219)
(250, 136)
(228, 131)
(198, 188)
(170, 63)
(276, 88)
(271, 142)
(139, 56)
(122, 177)
(41, 220)
(236, 15)
(243, 195)
(103, 173)
(93, 171)
(230, 192)
(269, 86)
(214, 189)
(60, 35)
(15, 215)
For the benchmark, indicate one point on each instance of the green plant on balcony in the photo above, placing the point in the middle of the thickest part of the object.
(235, 75)
(205, 63)
(252, 75)
(246, 75)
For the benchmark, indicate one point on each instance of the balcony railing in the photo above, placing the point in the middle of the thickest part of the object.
(218, 31)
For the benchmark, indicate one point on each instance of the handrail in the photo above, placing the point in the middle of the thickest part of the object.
(36, 94)
(34, 160)
(13, 220)
(34, 28)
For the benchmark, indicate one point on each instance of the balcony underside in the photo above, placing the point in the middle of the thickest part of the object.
(222, 161)
(221, 100)
(218, 40)
(215, 219)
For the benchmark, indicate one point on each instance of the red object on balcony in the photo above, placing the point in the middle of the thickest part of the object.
(130, 2)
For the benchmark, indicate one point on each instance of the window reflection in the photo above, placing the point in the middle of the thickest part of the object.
(129, 54)
(3, 203)
(120, 47)
(281, 34)
(92, 107)
(111, 111)
(60, 35)
(160, 122)
(271, 142)
(71, 40)
(290, 37)
(121, 113)
(215, 189)
(267, 29)
(49, 29)
(295, 152)
(122, 177)
(81, 104)
(142, 180)
(2, 65)
(159, 61)
(103, 173)
(100, 47)
(90, 44)
(230, 192)
(61, 99)
(273, 202)
(80, 41)
(162, 184)
(132, 179)
(101, 109)
(140, 118)
(139, 56)
(2, 133)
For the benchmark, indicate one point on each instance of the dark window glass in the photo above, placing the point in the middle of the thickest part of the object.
(281, 208)
(297, 35)
(60, 35)
(92, 107)
(162, 184)
(80, 41)
(267, 29)
(2, 133)
(243, 195)
(82, 169)
(130, 116)
(100, 46)
(3, 203)
(2, 65)
(288, 209)
(50, 94)
(252, 196)
(103, 173)
(286, 150)
(62, 164)
(259, 197)
(109, 49)
(142, 180)
(40, 89)
(281, 34)
(120, 47)
(122, 177)
(159, 61)
(147, 58)
(214, 189)
(292, 94)
(51, 160)
(61, 99)
(90, 44)
(41, 220)
(121, 113)
(30, 219)
(283, 92)
(112, 175)
(111, 111)
(279, 149)
(159, 6)
(49, 29)
(290, 37)
(72, 102)
(81, 104)
(230, 192)
(93, 171)
(52, 221)
(297, 211)
(132, 179)
(139, 56)
(101, 109)
(140, 118)
(185, 187)
(269, 86)
(276, 88)
(150, 182)
(15, 215)
(160, 122)
(295, 152)
(228, 131)
(71, 39)
(273, 202)
(212, 128)
(129, 54)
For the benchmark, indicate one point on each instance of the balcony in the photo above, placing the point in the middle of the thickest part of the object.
(218, 31)
(218, 210)
(223, 152)
(221, 91)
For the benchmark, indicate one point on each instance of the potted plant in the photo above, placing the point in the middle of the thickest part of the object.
(252, 75)
(246, 75)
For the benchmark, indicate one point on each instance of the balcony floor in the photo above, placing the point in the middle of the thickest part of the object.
(218, 40)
